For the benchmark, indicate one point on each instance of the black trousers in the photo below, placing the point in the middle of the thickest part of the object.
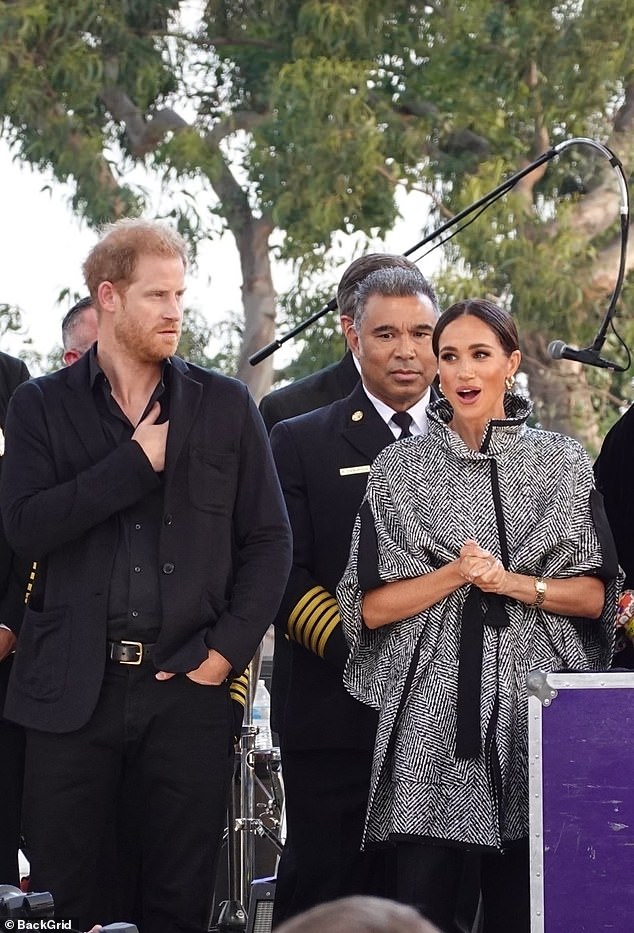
(124, 817)
(433, 878)
(11, 773)
(326, 794)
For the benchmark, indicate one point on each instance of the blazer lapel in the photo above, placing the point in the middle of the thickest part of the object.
(82, 412)
(185, 398)
(364, 428)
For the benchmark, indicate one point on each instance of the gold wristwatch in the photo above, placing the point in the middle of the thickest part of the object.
(541, 588)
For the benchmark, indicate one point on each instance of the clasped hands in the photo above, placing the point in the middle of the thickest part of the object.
(480, 567)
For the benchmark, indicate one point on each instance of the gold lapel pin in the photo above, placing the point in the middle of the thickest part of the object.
(357, 415)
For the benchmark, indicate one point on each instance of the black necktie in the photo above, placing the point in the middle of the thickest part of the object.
(402, 419)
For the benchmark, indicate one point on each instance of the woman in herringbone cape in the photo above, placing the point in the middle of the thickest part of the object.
(475, 559)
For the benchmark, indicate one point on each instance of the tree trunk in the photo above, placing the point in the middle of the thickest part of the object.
(560, 393)
(258, 299)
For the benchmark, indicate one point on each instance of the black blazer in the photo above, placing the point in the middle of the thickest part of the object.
(12, 373)
(224, 547)
(323, 460)
(613, 472)
(13, 570)
(321, 388)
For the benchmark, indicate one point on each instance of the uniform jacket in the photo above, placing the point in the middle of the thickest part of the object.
(323, 460)
(224, 548)
(314, 391)
(528, 494)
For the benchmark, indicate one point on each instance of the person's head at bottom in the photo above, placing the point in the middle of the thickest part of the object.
(358, 915)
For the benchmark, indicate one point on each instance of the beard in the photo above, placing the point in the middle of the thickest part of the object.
(142, 343)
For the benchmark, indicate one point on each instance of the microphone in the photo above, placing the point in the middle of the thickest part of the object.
(559, 350)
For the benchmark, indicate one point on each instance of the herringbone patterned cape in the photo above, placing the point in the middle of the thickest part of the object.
(427, 495)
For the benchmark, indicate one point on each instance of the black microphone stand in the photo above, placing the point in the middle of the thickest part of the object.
(481, 203)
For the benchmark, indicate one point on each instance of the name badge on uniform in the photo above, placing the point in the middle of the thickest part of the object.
(352, 471)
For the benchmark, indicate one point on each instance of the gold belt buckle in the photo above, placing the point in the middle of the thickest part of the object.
(139, 646)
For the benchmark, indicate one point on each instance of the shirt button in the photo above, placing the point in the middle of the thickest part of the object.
(167, 520)
(168, 568)
(138, 526)
(134, 613)
(137, 570)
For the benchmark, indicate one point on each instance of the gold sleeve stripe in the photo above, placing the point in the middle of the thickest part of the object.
(299, 623)
(30, 582)
(238, 688)
(320, 624)
(327, 632)
(313, 620)
(305, 629)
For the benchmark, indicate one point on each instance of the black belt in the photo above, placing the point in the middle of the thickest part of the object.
(129, 652)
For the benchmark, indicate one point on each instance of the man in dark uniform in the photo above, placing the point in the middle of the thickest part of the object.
(314, 391)
(13, 580)
(323, 459)
(146, 490)
(321, 388)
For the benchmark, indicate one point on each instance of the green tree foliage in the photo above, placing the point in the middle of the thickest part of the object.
(302, 117)
(195, 339)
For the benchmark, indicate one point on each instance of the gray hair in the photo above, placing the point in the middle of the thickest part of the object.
(359, 914)
(392, 281)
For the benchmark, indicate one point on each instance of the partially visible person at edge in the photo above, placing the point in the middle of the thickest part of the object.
(481, 552)
(323, 459)
(613, 473)
(79, 330)
(354, 915)
(13, 582)
(145, 488)
(358, 915)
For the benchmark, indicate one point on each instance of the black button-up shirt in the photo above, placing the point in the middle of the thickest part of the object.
(134, 599)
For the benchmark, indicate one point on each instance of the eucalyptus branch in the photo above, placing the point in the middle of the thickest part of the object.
(603, 271)
(144, 134)
(245, 120)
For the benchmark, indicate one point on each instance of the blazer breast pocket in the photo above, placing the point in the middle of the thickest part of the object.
(213, 480)
(41, 661)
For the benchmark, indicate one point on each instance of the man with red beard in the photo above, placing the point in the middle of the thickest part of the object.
(145, 488)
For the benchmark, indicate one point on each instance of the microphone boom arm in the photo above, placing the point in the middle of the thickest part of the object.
(276, 344)
(483, 202)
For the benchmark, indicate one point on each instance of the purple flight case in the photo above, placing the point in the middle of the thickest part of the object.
(581, 802)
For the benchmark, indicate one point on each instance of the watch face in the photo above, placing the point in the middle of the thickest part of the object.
(540, 586)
